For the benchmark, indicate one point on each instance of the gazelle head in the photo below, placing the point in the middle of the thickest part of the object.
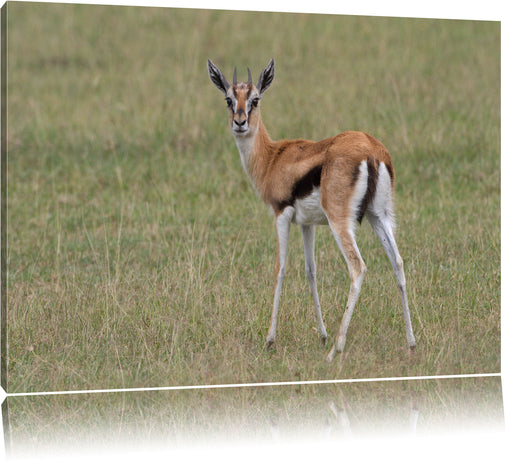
(242, 98)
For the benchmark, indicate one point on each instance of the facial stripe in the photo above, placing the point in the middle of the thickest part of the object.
(243, 94)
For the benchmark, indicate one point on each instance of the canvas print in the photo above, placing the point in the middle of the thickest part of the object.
(142, 243)
(264, 205)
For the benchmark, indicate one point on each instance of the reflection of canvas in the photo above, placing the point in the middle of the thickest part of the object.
(138, 253)
(324, 414)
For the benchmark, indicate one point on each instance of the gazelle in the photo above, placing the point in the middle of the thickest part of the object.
(335, 181)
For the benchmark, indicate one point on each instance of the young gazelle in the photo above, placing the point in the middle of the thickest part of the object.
(335, 181)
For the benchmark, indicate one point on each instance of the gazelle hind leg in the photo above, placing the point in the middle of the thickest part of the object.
(357, 270)
(383, 227)
(342, 210)
(283, 231)
(308, 236)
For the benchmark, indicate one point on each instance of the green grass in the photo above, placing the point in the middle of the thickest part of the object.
(139, 254)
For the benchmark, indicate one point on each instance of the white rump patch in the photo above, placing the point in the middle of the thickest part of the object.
(382, 204)
(359, 193)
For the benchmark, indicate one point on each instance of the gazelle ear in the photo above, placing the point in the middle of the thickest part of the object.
(266, 77)
(217, 78)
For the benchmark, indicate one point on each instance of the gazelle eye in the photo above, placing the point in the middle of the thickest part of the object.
(255, 102)
(229, 102)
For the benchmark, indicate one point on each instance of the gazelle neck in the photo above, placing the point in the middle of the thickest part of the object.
(255, 150)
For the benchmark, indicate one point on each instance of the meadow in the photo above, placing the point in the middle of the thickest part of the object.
(138, 253)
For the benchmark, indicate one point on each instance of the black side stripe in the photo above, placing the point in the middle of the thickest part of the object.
(391, 173)
(303, 187)
(373, 176)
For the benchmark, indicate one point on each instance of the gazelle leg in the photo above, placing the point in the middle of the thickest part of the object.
(357, 270)
(383, 227)
(308, 236)
(283, 231)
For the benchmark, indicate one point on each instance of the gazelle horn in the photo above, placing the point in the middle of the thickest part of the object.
(234, 77)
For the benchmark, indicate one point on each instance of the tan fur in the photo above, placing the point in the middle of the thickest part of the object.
(275, 167)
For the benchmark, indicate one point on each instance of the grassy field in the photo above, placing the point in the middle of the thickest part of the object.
(139, 254)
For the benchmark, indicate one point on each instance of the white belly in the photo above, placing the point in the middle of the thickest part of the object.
(308, 210)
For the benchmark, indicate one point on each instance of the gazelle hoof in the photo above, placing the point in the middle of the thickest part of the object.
(268, 344)
(331, 354)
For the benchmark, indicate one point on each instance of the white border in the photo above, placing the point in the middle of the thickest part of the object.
(492, 10)
(254, 385)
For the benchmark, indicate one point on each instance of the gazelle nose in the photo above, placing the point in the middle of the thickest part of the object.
(239, 123)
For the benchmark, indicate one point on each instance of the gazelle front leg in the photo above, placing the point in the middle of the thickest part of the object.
(308, 236)
(283, 231)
